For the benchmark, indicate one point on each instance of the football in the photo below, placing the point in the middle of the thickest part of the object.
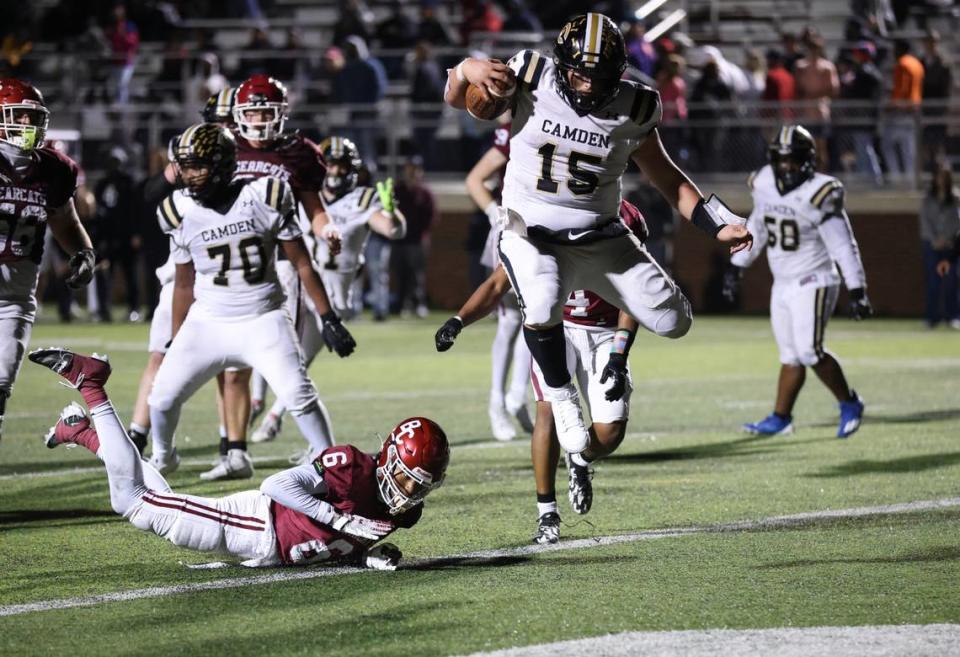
(486, 104)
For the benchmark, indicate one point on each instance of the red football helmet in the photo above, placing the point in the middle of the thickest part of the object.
(412, 462)
(25, 117)
(261, 93)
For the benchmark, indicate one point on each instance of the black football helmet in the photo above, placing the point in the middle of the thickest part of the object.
(343, 153)
(590, 45)
(792, 156)
(219, 107)
(209, 146)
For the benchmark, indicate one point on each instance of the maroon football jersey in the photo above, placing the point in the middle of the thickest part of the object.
(501, 141)
(292, 158)
(351, 481)
(585, 308)
(25, 202)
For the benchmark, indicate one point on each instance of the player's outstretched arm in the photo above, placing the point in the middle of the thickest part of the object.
(71, 235)
(485, 168)
(480, 304)
(182, 295)
(319, 221)
(490, 73)
(389, 221)
(710, 216)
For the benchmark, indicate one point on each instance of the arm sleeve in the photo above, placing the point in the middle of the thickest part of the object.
(297, 488)
(837, 235)
(758, 229)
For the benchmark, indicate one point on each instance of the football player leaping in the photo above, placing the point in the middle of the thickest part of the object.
(798, 215)
(37, 185)
(223, 238)
(333, 509)
(576, 125)
(353, 213)
(599, 338)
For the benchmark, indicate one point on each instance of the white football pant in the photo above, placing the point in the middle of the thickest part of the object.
(799, 315)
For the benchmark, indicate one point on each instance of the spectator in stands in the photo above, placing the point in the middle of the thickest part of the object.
(478, 16)
(356, 19)
(397, 32)
(939, 224)
(817, 84)
(285, 67)
(673, 95)
(431, 28)
(900, 143)
(708, 104)
(519, 18)
(752, 144)
(320, 89)
(791, 51)
(640, 52)
(254, 62)
(409, 254)
(937, 82)
(863, 86)
(426, 90)
(361, 83)
(779, 88)
(15, 45)
(206, 81)
(124, 44)
(117, 238)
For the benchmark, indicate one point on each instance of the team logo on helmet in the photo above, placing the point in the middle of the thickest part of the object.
(219, 107)
(211, 147)
(792, 156)
(412, 463)
(25, 117)
(591, 46)
(343, 165)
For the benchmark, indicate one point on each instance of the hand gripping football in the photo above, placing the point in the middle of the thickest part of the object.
(487, 104)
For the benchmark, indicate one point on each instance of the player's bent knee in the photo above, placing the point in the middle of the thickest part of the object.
(809, 359)
(673, 325)
(305, 407)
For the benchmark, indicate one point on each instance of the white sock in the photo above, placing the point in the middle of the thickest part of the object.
(258, 387)
(508, 325)
(544, 508)
(578, 459)
(520, 373)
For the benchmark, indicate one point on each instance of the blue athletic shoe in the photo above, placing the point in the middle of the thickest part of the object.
(772, 425)
(851, 412)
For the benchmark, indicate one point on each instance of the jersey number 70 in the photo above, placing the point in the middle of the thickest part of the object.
(253, 267)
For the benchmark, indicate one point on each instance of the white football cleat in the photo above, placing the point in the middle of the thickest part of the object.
(235, 465)
(268, 429)
(500, 424)
(568, 418)
(166, 463)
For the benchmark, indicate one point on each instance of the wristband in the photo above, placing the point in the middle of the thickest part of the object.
(711, 215)
(622, 341)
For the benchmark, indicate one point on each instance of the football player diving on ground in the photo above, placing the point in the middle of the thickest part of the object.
(334, 509)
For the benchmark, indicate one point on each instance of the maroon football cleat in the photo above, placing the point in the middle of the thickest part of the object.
(73, 428)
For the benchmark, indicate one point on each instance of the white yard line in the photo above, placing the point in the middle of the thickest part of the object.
(284, 576)
(873, 640)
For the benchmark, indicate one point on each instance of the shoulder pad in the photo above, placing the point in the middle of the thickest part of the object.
(274, 193)
(170, 217)
(824, 191)
(366, 198)
(646, 103)
(528, 66)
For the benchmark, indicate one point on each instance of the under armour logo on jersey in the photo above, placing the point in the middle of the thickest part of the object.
(248, 203)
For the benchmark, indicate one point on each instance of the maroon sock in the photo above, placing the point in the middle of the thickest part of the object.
(88, 438)
(93, 394)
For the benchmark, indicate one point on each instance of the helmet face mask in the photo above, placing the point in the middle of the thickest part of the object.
(343, 165)
(411, 464)
(260, 108)
(23, 116)
(206, 155)
(792, 156)
(589, 58)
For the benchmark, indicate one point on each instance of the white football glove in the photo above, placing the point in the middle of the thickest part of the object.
(361, 527)
(385, 556)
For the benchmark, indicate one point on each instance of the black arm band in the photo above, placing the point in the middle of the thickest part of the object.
(706, 220)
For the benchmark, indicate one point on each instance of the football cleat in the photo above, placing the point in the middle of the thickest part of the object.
(568, 418)
(521, 413)
(257, 407)
(579, 488)
(772, 425)
(500, 424)
(166, 463)
(268, 429)
(548, 529)
(235, 465)
(75, 368)
(302, 457)
(73, 421)
(851, 413)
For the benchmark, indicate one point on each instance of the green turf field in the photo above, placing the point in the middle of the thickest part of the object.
(684, 464)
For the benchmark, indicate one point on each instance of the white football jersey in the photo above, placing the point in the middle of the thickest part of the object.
(564, 170)
(792, 227)
(233, 253)
(350, 214)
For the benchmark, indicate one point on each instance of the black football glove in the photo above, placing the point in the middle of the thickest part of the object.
(860, 307)
(81, 268)
(448, 333)
(616, 369)
(731, 284)
(336, 336)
